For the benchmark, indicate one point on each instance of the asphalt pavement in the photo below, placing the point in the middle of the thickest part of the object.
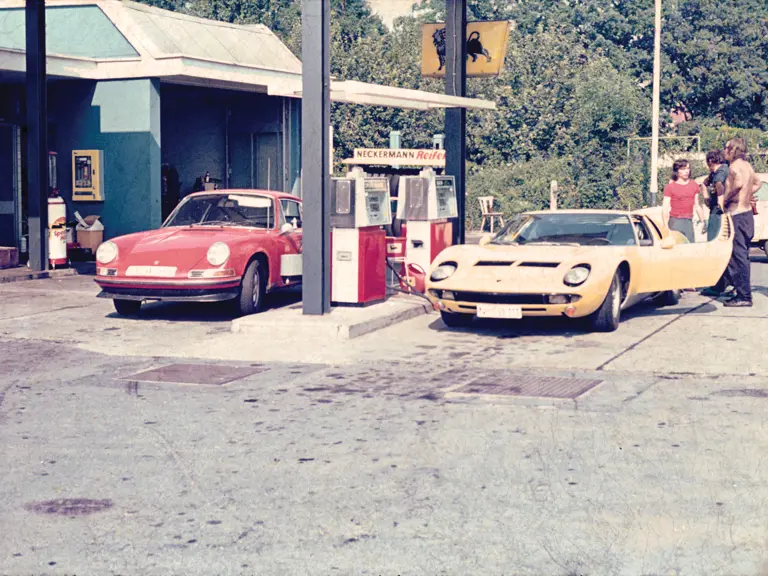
(526, 447)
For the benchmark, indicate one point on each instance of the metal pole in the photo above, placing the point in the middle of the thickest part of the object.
(655, 118)
(37, 135)
(315, 154)
(456, 118)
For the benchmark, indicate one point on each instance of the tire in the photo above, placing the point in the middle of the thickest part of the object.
(454, 320)
(127, 307)
(252, 289)
(607, 317)
(668, 298)
(765, 247)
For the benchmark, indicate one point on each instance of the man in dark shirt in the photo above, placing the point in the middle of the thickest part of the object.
(713, 193)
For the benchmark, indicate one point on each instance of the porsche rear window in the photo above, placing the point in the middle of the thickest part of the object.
(225, 209)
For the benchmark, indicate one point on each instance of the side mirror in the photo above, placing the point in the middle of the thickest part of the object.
(486, 239)
(667, 243)
(286, 228)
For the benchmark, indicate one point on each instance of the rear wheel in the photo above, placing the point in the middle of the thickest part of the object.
(252, 288)
(668, 298)
(606, 318)
(453, 320)
(765, 247)
(127, 307)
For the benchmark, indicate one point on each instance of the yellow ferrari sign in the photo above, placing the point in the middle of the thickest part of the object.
(486, 48)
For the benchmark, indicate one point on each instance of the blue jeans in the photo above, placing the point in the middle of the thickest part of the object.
(684, 226)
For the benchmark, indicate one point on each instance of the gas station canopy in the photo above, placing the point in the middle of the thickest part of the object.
(119, 39)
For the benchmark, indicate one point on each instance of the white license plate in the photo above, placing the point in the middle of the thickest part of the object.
(157, 271)
(499, 311)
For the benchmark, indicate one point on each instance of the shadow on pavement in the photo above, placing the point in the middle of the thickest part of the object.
(208, 311)
(560, 326)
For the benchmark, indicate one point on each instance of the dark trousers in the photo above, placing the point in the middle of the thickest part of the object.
(739, 266)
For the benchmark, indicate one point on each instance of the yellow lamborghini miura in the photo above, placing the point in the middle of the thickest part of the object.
(575, 263)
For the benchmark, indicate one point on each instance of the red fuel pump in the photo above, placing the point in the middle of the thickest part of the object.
(426, 202)
(360, 207)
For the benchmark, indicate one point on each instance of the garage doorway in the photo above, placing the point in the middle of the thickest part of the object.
(10, 187)
(256, 160)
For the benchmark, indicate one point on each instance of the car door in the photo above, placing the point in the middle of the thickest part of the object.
(291, 213)
(667, 265)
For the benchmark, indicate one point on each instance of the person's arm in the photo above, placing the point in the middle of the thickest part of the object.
(704, 191)
(665, 210)
(733, 184)
(720, 189)
(698, 209)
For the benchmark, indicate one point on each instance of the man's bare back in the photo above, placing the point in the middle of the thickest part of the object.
(741, 185)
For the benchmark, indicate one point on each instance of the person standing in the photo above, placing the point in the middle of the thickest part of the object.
(713, 191)
(681, 199)
(740, 186)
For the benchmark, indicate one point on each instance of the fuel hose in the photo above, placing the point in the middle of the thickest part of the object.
(403, 282)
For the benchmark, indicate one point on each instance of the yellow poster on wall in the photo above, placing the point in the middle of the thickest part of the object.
(486, 48)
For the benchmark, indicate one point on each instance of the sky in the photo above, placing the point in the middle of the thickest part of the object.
(388, 10)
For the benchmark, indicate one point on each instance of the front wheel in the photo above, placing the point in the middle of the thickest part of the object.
(127, 307)
(252, 289)
(606, 318)
(453, 320)
(765, 247)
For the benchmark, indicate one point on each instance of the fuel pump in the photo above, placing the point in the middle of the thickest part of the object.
(57, 218)
(360, 207)
(426, 202)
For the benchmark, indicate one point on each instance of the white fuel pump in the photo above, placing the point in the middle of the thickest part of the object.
(360, 207)
(426, 202)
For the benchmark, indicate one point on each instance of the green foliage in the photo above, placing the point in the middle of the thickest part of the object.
(576, 86)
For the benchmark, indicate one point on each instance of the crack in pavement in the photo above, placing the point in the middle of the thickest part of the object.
(651, 335)
(44, 312)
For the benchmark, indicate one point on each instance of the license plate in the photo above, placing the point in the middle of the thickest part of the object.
(157, 271)
(499, 311)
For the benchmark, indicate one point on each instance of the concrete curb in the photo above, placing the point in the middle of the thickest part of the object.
(340, 324)
(7, 276)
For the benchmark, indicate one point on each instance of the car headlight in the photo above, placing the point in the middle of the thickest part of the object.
(217, 254)
(106, 252)
(577, 275)
(443, 271)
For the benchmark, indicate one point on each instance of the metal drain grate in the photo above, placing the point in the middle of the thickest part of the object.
(541, 386)
(206, 374)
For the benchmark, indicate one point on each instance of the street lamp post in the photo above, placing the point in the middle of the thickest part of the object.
(655, 115)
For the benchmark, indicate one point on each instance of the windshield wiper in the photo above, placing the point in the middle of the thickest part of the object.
(214, 223)
(546, 243)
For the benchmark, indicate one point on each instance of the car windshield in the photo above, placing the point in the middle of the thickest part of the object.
(568, 229)
(224, 210)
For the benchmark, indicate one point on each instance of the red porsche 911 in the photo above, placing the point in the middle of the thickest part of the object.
(216, 245)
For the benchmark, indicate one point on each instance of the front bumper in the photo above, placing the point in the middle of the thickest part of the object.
(531, 304)
(169, 290)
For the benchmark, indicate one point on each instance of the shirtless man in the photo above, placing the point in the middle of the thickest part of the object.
(742, 183)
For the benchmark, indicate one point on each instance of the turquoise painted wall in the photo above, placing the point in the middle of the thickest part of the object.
(70, 30)
(122, 118)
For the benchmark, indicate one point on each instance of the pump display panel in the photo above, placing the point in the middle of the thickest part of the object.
(378, 210)
(360, 202)
(445, 193)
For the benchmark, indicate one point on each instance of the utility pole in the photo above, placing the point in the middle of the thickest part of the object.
(456, 118)
(37, 135)
(655, 115)
(316, 155)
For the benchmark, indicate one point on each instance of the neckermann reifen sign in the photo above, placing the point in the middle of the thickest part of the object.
(397, 156)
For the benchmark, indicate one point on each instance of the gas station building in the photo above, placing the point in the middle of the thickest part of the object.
(161, 99)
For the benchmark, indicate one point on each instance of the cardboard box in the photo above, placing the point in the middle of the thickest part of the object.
(9, 257)
(90, 235)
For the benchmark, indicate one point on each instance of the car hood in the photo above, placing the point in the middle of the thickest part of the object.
(177, 246)
(525, 268)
